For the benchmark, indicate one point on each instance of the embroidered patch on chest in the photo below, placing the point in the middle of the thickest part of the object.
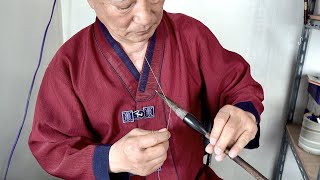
(144, 113)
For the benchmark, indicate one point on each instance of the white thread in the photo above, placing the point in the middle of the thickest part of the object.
(159, 174)
(169, 118)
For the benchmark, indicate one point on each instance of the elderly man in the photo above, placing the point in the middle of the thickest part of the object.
(98, 116)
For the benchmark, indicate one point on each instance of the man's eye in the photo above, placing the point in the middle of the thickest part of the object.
(154, 1)
(124, 8)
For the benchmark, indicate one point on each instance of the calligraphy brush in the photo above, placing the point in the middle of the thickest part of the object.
(192, 122)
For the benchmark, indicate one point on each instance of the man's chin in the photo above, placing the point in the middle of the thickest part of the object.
(141, 38)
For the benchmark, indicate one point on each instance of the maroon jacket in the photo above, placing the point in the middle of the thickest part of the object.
(92, 95)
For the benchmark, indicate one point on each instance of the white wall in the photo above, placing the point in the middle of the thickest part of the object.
(22, 27)
(76, 15)
(265, 32)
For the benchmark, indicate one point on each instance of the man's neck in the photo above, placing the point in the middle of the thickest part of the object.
(135, 50)
(136, 53)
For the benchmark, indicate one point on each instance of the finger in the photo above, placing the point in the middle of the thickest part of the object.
(209, 149)
(227, 135)
(157, 163)
(156, 151)
(219, 158)
(153, 165)
(242, 141)
(139, 132)
(218, 123)
(143, 160)
(153, 139)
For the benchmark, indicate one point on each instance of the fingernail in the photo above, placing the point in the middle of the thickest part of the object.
(218, 151)
(218, 158)
(209, 149)
(163, 130)
(213, 141)
(232, 153)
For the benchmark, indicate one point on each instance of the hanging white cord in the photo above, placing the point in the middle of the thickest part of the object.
(158, 170)
(160, 90)
(158, 174)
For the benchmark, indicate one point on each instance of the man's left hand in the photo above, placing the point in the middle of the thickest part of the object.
(233, 128)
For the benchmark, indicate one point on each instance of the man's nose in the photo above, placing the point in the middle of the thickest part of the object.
(143, 11)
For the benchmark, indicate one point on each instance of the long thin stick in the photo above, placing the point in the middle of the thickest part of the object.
(246, 166)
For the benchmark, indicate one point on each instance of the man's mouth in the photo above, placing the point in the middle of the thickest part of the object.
(143, 31)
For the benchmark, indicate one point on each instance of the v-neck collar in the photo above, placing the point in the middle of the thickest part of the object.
(141, 86)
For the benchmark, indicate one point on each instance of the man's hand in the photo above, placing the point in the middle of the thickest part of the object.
(140, 152)
(232, 128)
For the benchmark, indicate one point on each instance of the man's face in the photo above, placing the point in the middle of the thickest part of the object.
(129, 21)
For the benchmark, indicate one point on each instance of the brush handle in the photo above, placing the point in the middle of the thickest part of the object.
(192, 121)
(251, 170)
(246, 166)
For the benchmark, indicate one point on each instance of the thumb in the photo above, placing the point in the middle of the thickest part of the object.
(141, 132)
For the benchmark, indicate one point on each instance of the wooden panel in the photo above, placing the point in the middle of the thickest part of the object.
(315, 17)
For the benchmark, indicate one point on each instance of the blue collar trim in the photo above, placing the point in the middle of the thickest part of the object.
(123, 56)
(146, 68)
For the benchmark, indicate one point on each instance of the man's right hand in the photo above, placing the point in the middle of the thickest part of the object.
(140, 152)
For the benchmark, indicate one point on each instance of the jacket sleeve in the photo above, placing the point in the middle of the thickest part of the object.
(228, 80)
(61, 139)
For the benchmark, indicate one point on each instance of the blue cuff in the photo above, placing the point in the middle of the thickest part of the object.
(101, 165)
(249, 107)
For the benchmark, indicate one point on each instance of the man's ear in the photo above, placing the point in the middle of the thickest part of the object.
(91, 3)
